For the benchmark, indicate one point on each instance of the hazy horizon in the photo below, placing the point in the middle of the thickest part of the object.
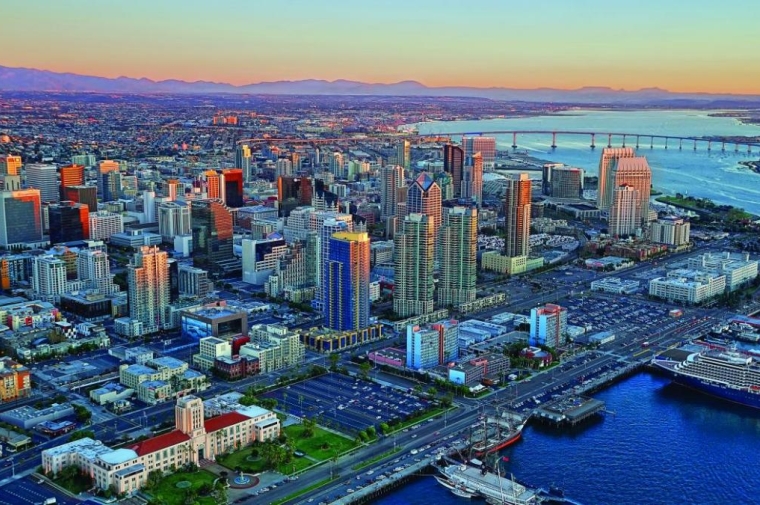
(702, 47)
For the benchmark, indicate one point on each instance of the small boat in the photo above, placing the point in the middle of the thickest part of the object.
(463, 492)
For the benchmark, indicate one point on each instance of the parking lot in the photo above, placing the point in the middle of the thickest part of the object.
(345, 403)
(620, 315)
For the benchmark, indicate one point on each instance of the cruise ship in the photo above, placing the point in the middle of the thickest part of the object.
(725, 374)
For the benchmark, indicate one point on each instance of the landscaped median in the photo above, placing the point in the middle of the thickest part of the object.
(305, 490)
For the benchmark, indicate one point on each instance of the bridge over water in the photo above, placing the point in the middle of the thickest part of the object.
(613, 139)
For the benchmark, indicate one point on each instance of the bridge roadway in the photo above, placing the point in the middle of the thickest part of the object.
(723, 141)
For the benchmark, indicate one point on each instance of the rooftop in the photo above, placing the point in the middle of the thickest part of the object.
(224, 421)
(118, 456)
(160, 442)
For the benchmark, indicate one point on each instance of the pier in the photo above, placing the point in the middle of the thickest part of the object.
(569, 411)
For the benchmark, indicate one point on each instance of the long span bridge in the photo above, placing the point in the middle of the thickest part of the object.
(613, 139)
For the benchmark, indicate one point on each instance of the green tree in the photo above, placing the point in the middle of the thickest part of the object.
(77, 435)
(334, 359)
(308, 427)
(364, 369)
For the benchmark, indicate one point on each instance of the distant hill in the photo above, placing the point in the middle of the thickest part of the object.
(28, 79)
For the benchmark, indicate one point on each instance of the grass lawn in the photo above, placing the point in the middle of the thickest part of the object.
(167, 491)
(323, 445)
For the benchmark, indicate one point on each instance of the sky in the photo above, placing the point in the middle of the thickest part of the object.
(689, 46)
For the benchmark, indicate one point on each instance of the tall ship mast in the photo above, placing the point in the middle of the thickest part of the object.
(496, 433)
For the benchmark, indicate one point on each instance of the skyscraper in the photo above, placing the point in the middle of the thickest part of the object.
(472, 179)
(292, 192)
(326, 224)
(20, 218)
(453, 164)
(634, 172)
(346, 288)
(233, 187)
(71, 175)
(93, 268)
(49, 278)
(214, 185)
(283, 168)
(424, 197)
(548, 325)
(173, 220)
(404, 154)
(336, 164)
(173, 189)
(109, 180)
(211, 224)
(391, 178)
(69, 221)
(413, 262)
(44, 178)
(86, 195)
(10, 165)
(486, 146)
(148, 280)
(605, 186)
(517, 216)
(625, 212)
(459, 243)
(243, 161)
(565, 182)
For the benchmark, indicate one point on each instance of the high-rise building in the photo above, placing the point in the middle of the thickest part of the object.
(71, 175)
(193, 282)
(486, 146)
(149, 206)
(260, 258)
(86, 195)
(243, 161)
(173, 220)
(10, 182)
(214, 185)
(283, 168)
(326, 224)
(424, 197)
(93, 268)
(148, 281)
(391, 178)
(346, 287)
(292, 192)
(10, 165)
(233, 187)
(413, 263)
(472, 179)
(517, 216)
(671, 230)
(433, 346)
(404, 154)
(548, 325)
(606, 185)
(566, 182)
(69, 221)
(88, 160)
(20, 218)
(109, 180)
(625, 213)
(103, 224)
(459, 253)
(173, 189)
(633, 172)
(336, 164)
(211, 224)
(49, 278)
(44, 178)
(453, 164)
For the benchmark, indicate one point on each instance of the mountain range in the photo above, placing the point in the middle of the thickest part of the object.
(29, 79)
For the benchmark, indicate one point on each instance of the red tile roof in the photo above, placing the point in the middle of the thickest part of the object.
(224, 421)
(160, 442)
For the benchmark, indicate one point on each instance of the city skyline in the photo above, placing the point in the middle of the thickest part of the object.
(519, 45)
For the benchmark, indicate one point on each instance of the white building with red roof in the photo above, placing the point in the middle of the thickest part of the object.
(193, 439)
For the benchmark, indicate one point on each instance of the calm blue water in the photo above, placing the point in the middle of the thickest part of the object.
(664, 445)
(713, 175)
